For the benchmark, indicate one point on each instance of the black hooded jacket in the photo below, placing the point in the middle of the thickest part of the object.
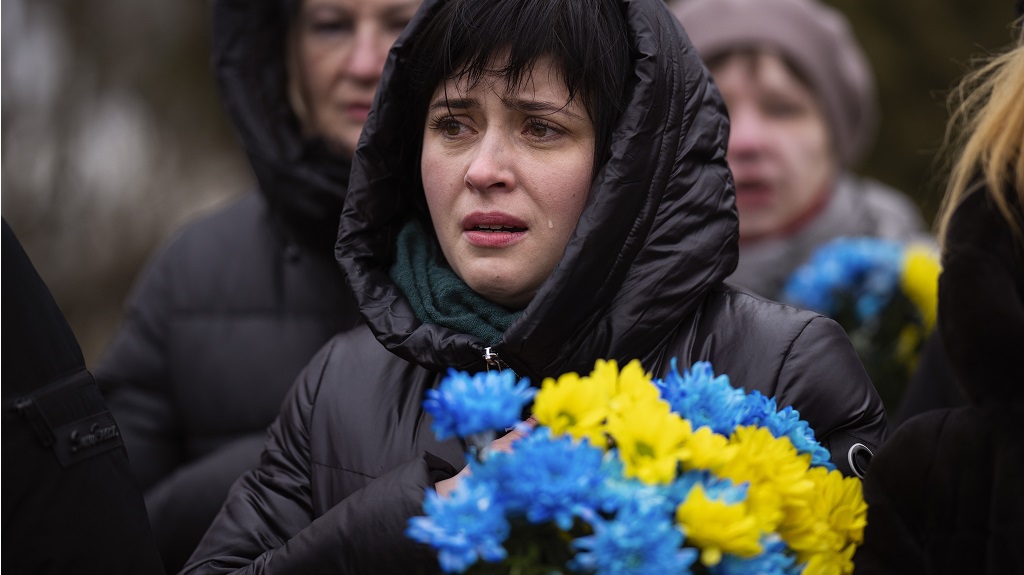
(944, 494)
(71, 504)
(350, 456)
(226, 314)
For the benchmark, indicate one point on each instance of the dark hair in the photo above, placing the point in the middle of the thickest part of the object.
(587, 40)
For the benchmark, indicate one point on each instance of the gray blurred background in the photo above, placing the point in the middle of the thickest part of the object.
(113, 133)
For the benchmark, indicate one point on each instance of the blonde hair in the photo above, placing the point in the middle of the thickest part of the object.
(985, 136)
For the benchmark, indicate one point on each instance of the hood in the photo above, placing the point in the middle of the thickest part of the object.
(304, 183)
(659, 229)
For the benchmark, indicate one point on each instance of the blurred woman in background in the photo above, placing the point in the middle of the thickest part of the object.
(225, 315)
(802, 113)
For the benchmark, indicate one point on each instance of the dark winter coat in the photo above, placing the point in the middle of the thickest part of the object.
(226, 314)
(944, 493)
(349, 459)
(71, 504)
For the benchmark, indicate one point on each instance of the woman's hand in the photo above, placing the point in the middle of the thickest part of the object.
(503, 443)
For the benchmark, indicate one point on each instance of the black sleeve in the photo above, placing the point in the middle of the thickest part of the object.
(824, 376)
(981, 302)
(72, 504)
(267, 524)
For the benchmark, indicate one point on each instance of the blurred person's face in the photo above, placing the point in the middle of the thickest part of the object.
(339, 50)
(506, 175)
(779, 151)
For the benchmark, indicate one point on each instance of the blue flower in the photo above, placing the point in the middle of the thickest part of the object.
(467, 525)
(463, 405)
(640, 539)
(864, 270)
(701, 397)
(787, 423)
(546, 478)
(763, 411)
(757, 409)
(617, 490)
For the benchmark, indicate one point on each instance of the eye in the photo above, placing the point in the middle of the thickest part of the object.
(447, 126)
(330, 27)
(777, 108)
(540, 129)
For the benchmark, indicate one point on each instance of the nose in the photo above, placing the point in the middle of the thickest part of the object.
(490, 168)
(369, 50)
(746, 133)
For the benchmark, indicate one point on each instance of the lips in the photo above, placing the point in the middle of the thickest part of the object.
(753, 192)
(358, 111)
(492, 222)
(493, 229)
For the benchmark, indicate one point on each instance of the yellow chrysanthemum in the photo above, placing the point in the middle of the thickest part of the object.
(717, 527)
(706, 449)
(920, 281)
(831, 563)
(627, 388)
(650, 439)
(834, 516)
(574, 405)
(774, 469)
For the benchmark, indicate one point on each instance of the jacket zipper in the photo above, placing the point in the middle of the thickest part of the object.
(492, 361)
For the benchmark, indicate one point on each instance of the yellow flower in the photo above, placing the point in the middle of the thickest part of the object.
(651, 439)
(706, 449)
(774, 469)
(627, 388)
(920, 281)
(832, 521)
(574, 405)
(834, 563)
(717, 527)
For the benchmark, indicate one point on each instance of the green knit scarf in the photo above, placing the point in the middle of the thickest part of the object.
(439, 296)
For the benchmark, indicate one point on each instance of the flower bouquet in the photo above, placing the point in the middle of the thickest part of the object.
(884, 294)
(624, 474)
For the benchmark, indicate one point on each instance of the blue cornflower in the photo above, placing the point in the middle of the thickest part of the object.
(774, 560)
(787, 423)
(763, 411)
(617, 490)
(758, 408)
(546, 478)
(703, 398)
(640, 539)
(463, 405)
(864, 270)
(467, 525)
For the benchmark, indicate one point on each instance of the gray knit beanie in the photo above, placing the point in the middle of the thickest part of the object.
(814, 38)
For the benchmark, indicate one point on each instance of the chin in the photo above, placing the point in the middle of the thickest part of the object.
(756, 232)
(502, 297)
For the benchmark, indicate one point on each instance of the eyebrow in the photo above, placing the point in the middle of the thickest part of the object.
(528, 106)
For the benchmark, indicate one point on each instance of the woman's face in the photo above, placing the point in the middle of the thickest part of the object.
(506, 175)
(779, 148)
(340, 49)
